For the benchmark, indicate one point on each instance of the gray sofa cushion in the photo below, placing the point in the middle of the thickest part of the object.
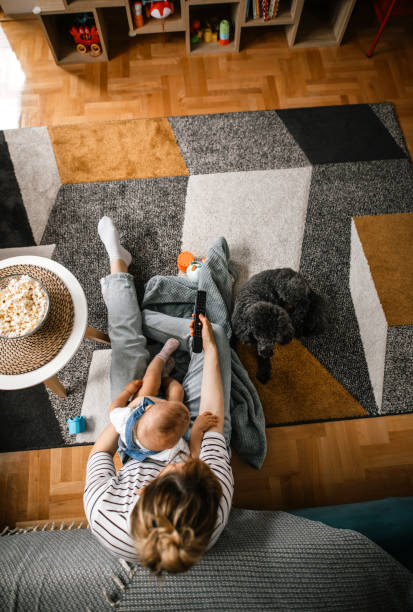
(263, 561)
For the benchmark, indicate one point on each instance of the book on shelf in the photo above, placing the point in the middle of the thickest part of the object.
(272, 12)
(261, 9)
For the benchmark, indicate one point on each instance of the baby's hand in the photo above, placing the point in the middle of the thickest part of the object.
(203, 422)
(206, 421)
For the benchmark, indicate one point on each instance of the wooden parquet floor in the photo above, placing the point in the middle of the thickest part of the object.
(150, 76)
(306, 465)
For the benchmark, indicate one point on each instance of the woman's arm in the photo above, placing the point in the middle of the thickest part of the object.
(107, 441)
(212, 392)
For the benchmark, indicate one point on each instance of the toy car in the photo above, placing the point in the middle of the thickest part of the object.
(87, 39)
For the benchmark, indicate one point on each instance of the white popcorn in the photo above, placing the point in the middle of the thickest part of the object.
(23, 304)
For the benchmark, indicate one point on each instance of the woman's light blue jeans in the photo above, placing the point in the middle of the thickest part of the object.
(127, 328)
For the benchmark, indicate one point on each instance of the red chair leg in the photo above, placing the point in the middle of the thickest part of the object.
(381, 28)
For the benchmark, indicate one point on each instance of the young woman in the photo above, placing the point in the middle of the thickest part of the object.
(166, 516)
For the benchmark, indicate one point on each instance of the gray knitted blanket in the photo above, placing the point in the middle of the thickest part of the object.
(262, 561)
(175, 296)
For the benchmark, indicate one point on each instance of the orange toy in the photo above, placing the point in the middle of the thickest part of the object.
(184, 259)
(189, 265)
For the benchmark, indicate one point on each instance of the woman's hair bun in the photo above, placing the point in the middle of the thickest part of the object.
(177, 552)
(169, 537)
(175, 516)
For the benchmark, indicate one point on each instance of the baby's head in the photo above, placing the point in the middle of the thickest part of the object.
(162, 425)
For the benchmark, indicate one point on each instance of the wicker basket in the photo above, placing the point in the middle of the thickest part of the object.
(30, 352)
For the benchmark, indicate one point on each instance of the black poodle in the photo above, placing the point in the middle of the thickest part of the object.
(273, 307)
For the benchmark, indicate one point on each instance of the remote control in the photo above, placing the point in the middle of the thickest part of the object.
(200, 308)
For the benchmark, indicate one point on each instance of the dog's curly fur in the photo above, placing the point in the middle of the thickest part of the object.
(273, 307)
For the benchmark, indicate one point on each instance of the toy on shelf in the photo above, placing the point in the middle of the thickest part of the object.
(137, 14)
(86, 35)
(195, 26)
(211, 30)
(160, 9)
(195, 30)
(190, 266)
(224, 32)
(213, 23)
(76, 425)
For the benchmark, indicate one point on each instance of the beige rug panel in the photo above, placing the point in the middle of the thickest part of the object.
(387, 242)
(300, 388)
(116, 150)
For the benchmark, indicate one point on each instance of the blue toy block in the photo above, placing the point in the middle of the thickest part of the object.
(76, 425)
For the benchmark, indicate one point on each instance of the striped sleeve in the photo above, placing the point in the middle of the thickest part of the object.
(99, 473)
(214, 453)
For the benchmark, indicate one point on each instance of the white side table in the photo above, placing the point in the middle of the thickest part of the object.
(80, 330)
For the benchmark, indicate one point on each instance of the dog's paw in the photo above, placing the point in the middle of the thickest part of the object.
(263, 377)
(264, 369)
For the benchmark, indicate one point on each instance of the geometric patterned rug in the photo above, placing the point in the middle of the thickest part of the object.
(327, 191)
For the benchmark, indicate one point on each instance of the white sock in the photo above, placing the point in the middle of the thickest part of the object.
(168, 348)
(109, 235)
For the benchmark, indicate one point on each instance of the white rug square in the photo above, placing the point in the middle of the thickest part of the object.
(37, 175)
(260, 213)
(96, 401)
(369, 313)
(45, 250)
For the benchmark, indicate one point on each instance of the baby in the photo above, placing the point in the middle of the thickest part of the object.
(153, 426)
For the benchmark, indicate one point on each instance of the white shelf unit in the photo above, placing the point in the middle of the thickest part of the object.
(307, 23)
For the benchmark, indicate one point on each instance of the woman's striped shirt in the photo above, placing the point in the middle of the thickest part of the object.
(110, 497)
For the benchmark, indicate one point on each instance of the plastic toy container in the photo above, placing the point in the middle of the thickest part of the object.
(76, 425)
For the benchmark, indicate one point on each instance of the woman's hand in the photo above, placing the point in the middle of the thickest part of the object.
(208, 340)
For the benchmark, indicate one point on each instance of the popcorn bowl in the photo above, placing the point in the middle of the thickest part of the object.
(4, 282)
